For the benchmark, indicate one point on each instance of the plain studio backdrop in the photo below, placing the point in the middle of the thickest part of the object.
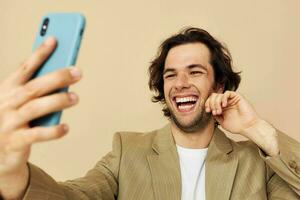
(120, 40)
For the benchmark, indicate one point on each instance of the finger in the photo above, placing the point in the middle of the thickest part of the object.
(232, 97)
(218, 101)
(45, 84)
(37, 58)
(207, 107)
(25, 138)
(45, 105)
(212, 103)
(225, 99)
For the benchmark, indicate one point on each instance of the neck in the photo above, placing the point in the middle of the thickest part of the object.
(196, 140)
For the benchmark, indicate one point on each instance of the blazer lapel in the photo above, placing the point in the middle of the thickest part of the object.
(221, 164)
(164, 166)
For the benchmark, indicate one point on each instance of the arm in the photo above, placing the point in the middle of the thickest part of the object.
(280, 152)
(278, 189)
(99, 183)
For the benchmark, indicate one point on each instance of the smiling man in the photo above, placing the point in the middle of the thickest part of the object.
(188, 80)
(188, 159)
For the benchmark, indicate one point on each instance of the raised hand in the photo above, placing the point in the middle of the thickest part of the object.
(232, 111)
(22, 100)
(236, 115)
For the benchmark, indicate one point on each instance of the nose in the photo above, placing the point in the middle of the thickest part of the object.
(182, 81)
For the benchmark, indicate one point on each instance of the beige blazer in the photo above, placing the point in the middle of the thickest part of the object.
(145, 166)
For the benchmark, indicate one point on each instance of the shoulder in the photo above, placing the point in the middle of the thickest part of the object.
(129, 140)
(131, 136)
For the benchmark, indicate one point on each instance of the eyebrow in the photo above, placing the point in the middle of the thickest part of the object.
(192, 66)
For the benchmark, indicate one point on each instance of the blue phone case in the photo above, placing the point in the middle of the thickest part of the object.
(68, 29)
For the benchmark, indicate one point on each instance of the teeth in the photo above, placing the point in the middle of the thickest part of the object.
(185, 99)
(185, 107)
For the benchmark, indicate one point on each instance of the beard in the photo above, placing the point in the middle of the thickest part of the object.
(199, 122)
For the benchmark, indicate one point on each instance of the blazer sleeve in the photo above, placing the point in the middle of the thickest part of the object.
(283, 170)
(101, 182)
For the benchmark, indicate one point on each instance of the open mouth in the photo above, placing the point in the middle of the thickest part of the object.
(186, 103)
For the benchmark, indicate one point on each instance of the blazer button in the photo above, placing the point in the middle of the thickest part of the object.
(293, 164)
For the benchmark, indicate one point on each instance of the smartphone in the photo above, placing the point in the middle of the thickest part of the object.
(68, 29)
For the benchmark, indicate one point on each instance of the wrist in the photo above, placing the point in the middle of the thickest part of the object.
(263, 135)
(13, 187)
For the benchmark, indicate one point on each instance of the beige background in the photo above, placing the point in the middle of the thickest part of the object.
(122, 37)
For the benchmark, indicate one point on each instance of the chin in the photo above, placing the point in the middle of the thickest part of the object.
(191, 124)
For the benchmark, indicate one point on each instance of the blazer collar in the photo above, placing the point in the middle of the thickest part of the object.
(220, 167)
(164, 166)
(164, 141)
(221, 164)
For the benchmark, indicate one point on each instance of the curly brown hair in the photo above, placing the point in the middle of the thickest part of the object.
(220, 59)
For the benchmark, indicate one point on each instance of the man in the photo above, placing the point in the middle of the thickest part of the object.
(190, 158)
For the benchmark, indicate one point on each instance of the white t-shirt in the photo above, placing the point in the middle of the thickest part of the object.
(192, 167)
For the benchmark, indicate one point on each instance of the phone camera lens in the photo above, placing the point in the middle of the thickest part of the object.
(44, 26)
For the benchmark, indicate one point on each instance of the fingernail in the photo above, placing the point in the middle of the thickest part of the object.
(49, 41)
(76, 73)
(73, 97)
(65, 127)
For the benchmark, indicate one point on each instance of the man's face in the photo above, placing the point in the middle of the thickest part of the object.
(188, 82)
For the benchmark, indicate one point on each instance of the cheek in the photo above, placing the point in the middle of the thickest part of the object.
(205, 87)
(167, 91)
(202, 83)
(167, 88)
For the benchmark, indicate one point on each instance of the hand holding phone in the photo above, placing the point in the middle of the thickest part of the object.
(21, 101)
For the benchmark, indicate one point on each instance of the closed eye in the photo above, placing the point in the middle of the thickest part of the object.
(169, 75)
(196, 72)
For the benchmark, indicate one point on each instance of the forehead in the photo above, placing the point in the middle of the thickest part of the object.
(188, 54)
